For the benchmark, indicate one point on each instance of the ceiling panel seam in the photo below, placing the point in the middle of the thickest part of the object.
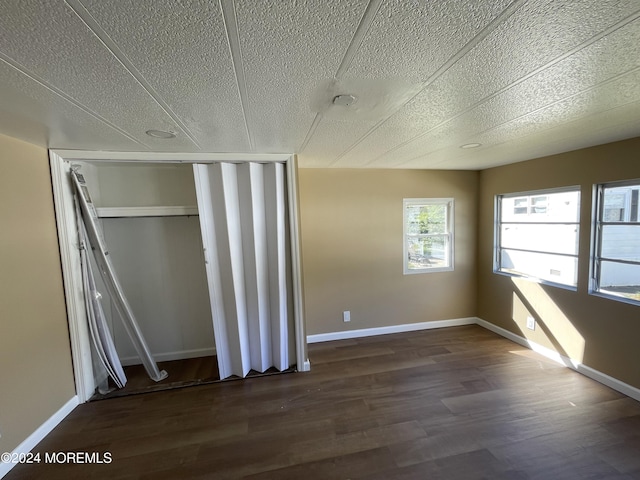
(362, 29)
(92, 24)
(573, 51)
(529, 134)
(613, 79)
(578, 118)
(230, 20)
(43, 83)
(504, 15)
(312, 130)
(358, 37)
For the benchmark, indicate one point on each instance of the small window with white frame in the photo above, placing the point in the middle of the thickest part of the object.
(537, 235)
(428, 235)
(615, 254)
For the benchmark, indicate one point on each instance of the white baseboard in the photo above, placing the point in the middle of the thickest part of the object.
(168, 356)
(407, 327)
(536, 347)
(42, 431)
(573, 364)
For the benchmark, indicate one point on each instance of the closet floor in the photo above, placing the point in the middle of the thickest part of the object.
(182, 373)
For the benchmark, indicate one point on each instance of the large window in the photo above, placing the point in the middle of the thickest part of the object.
(615, 268)
(537, 235)
(428, 235)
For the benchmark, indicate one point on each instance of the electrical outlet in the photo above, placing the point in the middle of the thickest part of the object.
(531, 322)
(346, 316)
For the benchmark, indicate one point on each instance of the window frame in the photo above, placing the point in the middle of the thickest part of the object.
(449, 234)
(497, 235)
(597, 222)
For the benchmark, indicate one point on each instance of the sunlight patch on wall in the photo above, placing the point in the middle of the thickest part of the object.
(552, 327)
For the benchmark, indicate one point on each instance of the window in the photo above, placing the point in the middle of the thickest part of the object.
(537, 235)
(615, 266)
(428, 235)
(528, 205)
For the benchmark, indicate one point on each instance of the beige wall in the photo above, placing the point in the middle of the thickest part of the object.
(601, 333)
(36, 376)
(351, 222)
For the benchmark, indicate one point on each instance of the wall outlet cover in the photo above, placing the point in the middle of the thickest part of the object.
(531, 323)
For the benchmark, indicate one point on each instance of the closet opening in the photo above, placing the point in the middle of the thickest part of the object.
(150, 212)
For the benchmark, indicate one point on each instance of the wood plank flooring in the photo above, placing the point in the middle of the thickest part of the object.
(455, 403)
(182, 373)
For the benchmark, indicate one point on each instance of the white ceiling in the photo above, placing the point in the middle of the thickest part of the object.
(522, 78)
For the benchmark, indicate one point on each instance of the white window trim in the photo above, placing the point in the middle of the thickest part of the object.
(450, 222)
(497, 233)
(596, 224)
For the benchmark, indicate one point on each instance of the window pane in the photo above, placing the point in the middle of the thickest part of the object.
(555, 238)
(539, 204)
(427, 252)
(520, 205)
(552, 268)
(548, 207)
(620, 204)
(620, 279)
(621, 242)
(423, 219)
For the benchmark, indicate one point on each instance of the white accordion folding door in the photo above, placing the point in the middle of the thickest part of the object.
(245, 234)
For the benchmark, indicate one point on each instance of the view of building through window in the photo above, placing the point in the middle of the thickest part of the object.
(616, 258)
(537, 235)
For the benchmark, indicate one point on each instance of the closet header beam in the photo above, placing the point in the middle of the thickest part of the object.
(153, 157)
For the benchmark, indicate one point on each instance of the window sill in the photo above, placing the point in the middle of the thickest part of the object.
(572, 288)
(428, 270)
(615, 298)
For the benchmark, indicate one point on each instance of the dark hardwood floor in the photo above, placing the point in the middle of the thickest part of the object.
(456, 403)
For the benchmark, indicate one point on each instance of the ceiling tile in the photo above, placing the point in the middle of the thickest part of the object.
(524, 78)
(24, 104)
(289, 48)
(182, 50)
(574, 76)
(412, 39)
(537, 34)
(49, 41)
(624, 91)
(330, 139)
(560, 122)
(612, 125)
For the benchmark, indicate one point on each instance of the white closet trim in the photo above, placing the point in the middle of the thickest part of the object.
(158, 157)
(67, 237)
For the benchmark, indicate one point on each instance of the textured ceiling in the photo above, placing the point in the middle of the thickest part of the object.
(521, 78)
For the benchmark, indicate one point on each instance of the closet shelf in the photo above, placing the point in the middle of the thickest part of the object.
(161, 211)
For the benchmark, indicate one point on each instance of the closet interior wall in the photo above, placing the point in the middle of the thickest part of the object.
(149, 217)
